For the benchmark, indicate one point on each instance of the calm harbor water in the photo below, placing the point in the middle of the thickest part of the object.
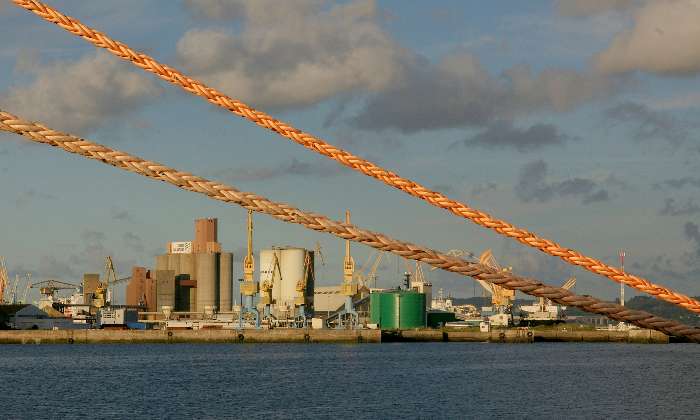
(431, 380)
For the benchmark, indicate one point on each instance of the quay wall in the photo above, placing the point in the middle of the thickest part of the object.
(323, 336)
(189, 336)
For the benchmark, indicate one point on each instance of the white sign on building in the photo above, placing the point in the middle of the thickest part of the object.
(180, 247)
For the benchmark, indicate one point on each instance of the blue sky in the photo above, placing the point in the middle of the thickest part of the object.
(574, 119)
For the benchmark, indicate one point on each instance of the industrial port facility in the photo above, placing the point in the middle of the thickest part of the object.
(195, 285)
(192, 286)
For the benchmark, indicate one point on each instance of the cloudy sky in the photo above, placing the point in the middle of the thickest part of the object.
(575, 119)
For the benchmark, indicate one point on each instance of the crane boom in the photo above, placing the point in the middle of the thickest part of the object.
(569, 284)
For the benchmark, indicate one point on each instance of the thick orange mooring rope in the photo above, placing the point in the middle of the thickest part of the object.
(41, 134)
(368, 168)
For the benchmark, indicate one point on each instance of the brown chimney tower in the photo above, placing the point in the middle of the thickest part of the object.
(206, 236)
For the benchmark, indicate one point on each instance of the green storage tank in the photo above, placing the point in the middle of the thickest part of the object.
(396, 310)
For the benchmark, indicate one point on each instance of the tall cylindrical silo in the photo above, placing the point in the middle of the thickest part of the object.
(162, 262)
(174, 263)
(225, 281)
(207, 280)
(292, 263)
(187, 265)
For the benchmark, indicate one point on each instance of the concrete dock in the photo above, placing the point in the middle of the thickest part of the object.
(323, 336)
(188, 336)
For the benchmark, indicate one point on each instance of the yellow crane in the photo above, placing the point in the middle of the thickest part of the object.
(249, 286)
(500, 297)
(348, 265)
(301, 287)
(103, 292)
(348, 317)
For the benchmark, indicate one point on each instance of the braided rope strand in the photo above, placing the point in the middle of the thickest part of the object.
(343, 157)
(41, 134)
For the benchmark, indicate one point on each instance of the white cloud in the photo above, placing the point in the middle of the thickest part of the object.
(80, 96)
(663, 40)
(291, 53)
(458, 92)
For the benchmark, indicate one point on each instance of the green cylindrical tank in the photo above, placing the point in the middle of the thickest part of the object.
(375, 308)
(412, 310)
(398, 310)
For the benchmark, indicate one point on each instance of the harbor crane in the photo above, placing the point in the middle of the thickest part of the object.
(249, 288)
(48, 288)
(501, 298)
(348, 317)
(275, 270)
(300, 299)
(103, 292)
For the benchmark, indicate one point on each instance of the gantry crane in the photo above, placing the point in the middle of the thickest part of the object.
(249, 288)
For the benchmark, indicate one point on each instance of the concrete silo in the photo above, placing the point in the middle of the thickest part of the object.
(207, 276)
(225, 282)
